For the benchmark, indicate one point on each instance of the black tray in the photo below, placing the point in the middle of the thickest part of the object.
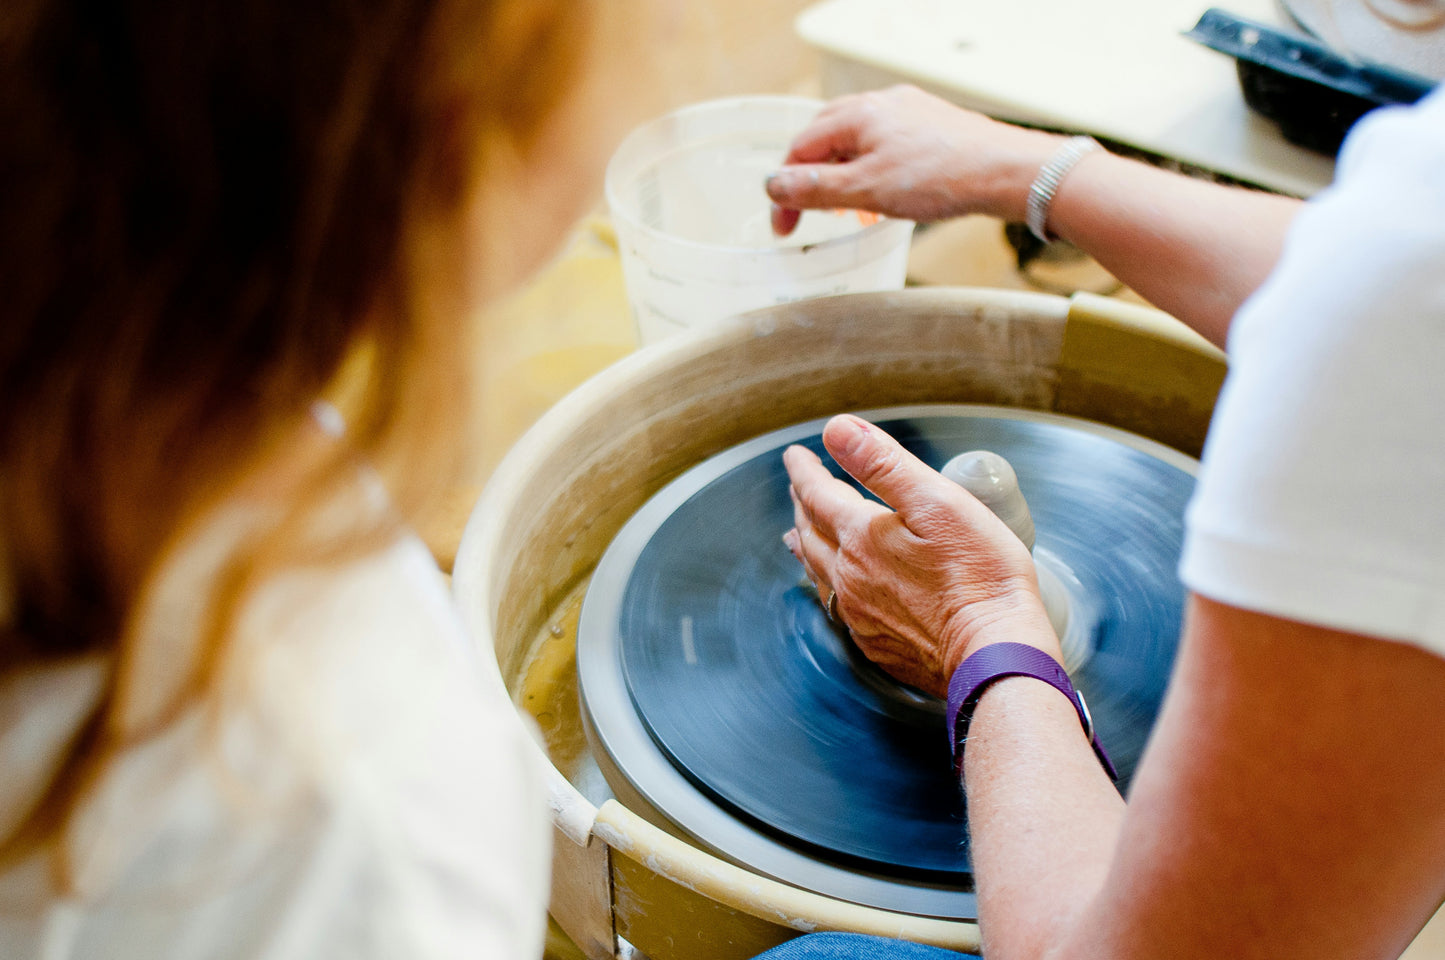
(1312, 92)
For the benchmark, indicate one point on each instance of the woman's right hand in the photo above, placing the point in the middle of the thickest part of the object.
(920, 585)
(907, 154)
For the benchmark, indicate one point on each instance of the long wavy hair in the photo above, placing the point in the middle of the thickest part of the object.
(208, 212)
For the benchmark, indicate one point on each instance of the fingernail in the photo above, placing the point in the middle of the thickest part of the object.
(790, 539)
(778, 183)
(853, 430)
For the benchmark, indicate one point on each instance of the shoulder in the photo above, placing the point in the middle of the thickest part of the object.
(1397, 137)
(424, 768)
(365, 790)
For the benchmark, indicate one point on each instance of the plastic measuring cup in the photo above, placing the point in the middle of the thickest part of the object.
(692, 218)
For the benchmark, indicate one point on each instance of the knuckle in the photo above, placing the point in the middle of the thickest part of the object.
(939, 515)
(813, 185)
(852, 550)
(870, 104)
(802, 490)
(880, 463)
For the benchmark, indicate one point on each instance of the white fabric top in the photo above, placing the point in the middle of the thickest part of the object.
(1322, 492)
(372, 794)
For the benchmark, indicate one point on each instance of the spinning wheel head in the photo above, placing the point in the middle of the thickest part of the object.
(723, 698)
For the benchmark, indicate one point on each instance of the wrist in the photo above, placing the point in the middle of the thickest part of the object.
(1013, 618)
(1038, 204)
(1000, 661)
(1009, 190)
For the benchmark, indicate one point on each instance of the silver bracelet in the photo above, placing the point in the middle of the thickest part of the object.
(1046, 184)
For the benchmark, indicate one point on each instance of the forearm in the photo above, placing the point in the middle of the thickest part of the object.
(1193, 248)
(1043, 818)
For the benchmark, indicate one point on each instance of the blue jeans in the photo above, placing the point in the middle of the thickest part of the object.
(855, 946)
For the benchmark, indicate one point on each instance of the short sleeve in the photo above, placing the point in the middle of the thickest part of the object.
(1321, 496)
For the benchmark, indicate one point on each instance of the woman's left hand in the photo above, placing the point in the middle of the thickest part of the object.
(922, 584)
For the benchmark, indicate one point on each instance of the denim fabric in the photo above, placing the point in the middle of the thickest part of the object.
(854, 946)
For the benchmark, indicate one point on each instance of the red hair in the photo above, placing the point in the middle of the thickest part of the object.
(206, 211)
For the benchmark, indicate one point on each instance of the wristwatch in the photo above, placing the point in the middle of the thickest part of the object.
(1000, 660)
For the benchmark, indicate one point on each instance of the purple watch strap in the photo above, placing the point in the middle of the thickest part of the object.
(1000, 660)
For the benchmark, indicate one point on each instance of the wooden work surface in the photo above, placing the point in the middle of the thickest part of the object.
(1114, 68)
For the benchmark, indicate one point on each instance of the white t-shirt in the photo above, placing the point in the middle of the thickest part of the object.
(371, 794)
(1322, 492)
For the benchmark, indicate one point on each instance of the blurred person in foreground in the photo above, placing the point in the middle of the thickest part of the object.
(1291, 802)
(238, 714)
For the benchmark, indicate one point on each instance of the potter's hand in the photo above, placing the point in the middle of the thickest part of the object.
(907, 154)
(921, 584)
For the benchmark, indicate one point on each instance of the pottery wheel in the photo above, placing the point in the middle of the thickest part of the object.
(720, 693)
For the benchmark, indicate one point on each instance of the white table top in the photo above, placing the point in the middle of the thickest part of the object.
(1118, 69)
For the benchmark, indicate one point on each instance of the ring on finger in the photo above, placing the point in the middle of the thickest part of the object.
(831, 607)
